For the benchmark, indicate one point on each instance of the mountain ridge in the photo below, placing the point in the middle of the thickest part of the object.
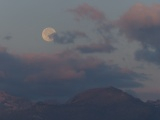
(93, 104)
(102, 96)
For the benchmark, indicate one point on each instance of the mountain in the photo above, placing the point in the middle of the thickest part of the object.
(94, 104)
(10, 102)
(154, 103)
(104, 96)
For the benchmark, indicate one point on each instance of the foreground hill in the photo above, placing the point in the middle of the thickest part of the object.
(94, 104)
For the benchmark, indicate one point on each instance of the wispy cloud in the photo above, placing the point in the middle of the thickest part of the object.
(103, 29)
(87, 11)
(69, 37)
(8, 37)
(95, 47)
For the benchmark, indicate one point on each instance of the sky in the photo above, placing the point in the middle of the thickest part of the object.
(97, 44)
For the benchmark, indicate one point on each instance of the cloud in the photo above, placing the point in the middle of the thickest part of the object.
(3, 49)
(69, 37)
(60, 75)
(95, 47)
(148, 55)
(142, 23)
(104, 42)
(8, 37)
(103, 29)
(87, 11)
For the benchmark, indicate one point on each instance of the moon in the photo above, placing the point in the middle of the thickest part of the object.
(48, 34)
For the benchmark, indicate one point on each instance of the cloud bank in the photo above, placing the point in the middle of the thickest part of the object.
(59, 76)
(64, 74)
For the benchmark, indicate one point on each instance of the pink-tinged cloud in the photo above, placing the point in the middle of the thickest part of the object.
(3, 49)
(51, 75)
(90, 63)
(126, 70)
(140, 18)
(65, 66)
(59, 75)
(87, 11)
(141, 15)
(142, 23)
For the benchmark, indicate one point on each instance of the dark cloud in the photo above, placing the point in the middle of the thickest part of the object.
(103, 29)
(96, 47)
(68, 37)
(59, 75)
(8, 37)
(148, 55)
(87, 11)
(142, 23)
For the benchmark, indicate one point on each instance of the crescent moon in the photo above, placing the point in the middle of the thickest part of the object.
(48, 34)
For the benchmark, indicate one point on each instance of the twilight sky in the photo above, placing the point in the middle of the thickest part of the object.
(98, 44)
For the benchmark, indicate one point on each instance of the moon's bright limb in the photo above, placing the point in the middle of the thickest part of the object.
(48, 33)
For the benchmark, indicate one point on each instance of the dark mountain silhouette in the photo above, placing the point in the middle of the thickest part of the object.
(104, 96)
(94, 104)
(154, 103)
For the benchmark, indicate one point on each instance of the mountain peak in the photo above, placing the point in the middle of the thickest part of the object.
(102, 96)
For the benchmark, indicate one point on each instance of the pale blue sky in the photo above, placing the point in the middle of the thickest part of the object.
(24, 20)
